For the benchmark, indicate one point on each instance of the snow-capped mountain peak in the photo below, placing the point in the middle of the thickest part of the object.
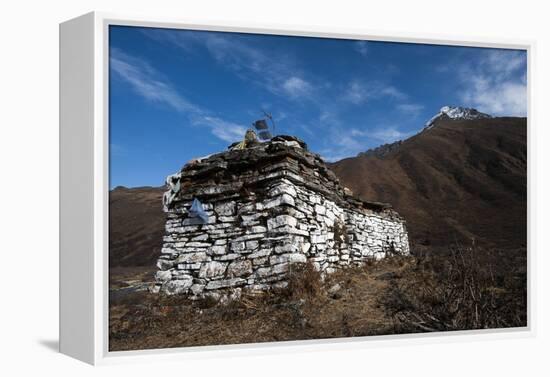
(457, 112)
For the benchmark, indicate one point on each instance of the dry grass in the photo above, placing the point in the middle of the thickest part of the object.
(469, 288)
(383, 297)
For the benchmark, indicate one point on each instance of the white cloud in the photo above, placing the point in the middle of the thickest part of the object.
(384, 135)
(359, 92)
(362, 47)
(393, 92)
(391, 134)
(149, 84)
(496, 83)
(349, 142)
(222, 129)
(274, 72)
(296, 86)
(343, 145)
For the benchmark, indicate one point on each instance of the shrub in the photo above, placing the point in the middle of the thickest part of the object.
(469, 288)
(304, 281)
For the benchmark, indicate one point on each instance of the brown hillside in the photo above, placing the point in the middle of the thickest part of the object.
(136, 226)
(459, 180)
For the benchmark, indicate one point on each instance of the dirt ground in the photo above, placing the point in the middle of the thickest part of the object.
(346, 305)
(395, 295)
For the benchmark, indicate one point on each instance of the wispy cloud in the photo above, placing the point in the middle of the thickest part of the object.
(275, 72)
(384, 135)
(343, 145)
(362, 47)
(347, 142)
(296, 86)
(359, 92)
(495, 83)
(222, 129)
(149, 84)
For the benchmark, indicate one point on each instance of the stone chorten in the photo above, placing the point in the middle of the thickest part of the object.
(266, 206)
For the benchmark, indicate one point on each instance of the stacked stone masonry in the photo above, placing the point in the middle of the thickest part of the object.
(269, 207)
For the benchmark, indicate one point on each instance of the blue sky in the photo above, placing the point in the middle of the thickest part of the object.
(180, 94)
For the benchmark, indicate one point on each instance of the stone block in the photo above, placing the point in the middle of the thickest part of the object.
(175, 287)
(192, 258)
(218, 249)
(239, 268)
(284, 199)
(225, 208)
(288, 258)
(281, 220)
(217, 284)
(283, 189)
(163, 276)
(165, 264)
(212, 269)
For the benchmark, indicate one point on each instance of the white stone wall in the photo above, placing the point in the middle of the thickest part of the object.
(252, 241)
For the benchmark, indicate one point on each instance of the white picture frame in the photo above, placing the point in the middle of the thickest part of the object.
(84, 190)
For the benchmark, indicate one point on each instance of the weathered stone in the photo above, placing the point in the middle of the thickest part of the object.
(227, 257)
(164, 264)
(284, 199)
(258, 229)
(259, 261)
(168, 250)
(239, 268)
(192, 258)
(286, 248)
(188, 266)
(280, 268)
(281, 220)
(217, 284)
(250, 218)
(321, 210)
(162, 276)
(201, 237)
(252, 245)
(197, 289)
(248, 237)
(289, 230)
(175, 287)
(290, 258)
(225, 209)
(260, 253)
(218, 250)
(238, 246)
(282, 189)
(319, 238)
(212, 269)
(198, 244)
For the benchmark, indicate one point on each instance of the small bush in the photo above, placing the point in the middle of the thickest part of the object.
(467, 289)
(304, 281)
